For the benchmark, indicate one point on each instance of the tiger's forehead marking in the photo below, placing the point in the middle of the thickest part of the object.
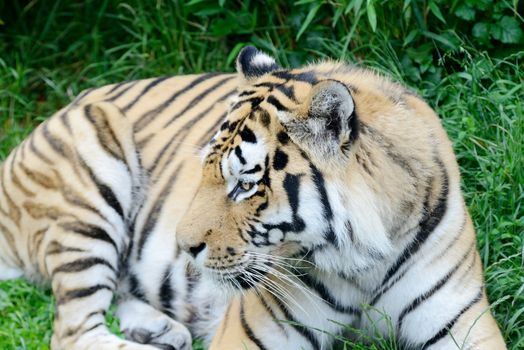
(274, 92)
(244, 156)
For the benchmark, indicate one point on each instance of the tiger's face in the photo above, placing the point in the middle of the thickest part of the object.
(262, 198)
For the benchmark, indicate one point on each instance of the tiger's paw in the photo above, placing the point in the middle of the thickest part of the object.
(143, 324)
(167, 338)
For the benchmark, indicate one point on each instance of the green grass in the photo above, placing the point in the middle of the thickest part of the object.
(51, 50)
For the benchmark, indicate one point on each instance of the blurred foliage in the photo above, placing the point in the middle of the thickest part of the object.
(420, 32)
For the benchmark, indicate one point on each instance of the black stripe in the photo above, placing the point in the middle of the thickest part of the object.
(64, 119)
(283, 138)
(445, 330)
(247, 135)
(110, 198)
(275, 102)
(318, 179)
(72, 331)
(384, 289)
(96, 325)
(427, 225)
(148, 116)
(196, 100)
(36, 151)
(458, 234)
(253, 170)
(153, 214)
(55, 247)
(166, 293)
(81, 293)
(10, 238)
(136, 289)
(101, 124)
(247, 329)
(144, 91)
(303, 330)
(82, 95)
(57, 145)
(246, 93)
(254, 101)
(425, 296)
(326, 295)
(124, 90)
(270, 311)
(289, 91)
(292, 187)
(116, 87)
(82, 265)
(280, 159)
(264, 118)
(386, 145)
(238, 153)
(206, 138)
(181, 135)
(38, 237)
(307, 77)
(90, 231)
(105, 191)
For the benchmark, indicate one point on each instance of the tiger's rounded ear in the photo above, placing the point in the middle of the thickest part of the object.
(327, 124)
(252, 63)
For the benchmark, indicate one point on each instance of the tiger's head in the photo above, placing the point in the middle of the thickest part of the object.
(293, 171)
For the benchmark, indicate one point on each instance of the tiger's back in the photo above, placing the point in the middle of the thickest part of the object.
(83, 199)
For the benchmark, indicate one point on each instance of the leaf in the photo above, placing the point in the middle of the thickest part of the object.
(221, 3)
(481, 31)
(483, 5)
(357, 4)
(507, 30)
(465, 12)
(372, 15)
(422, 54)
(303, 2)
(308, 19)
(406, 4)
(440, 38)
(436, 11)
(409, 38)
(194, 2)
(234, 52)
(1, 22)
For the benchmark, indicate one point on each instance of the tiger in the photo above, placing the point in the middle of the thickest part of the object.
(270, 208)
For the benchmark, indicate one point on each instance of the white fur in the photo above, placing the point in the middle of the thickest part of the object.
(262, 60)
(138, 317)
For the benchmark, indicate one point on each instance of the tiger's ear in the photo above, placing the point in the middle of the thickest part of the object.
(252, 63)
(326, 124)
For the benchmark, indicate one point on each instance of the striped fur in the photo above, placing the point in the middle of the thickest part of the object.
(90, 201)
(331, 197)
(322, 190)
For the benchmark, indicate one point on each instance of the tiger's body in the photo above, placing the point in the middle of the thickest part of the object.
(83, 201)
(324, 189)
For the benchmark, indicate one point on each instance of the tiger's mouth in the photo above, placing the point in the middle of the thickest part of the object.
(240, 277)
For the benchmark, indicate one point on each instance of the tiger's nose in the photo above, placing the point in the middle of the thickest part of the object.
(195, 250)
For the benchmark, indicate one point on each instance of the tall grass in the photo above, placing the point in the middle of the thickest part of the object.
(51, 50)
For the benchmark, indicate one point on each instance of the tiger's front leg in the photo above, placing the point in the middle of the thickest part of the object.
(84, 279)
(144, 324)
